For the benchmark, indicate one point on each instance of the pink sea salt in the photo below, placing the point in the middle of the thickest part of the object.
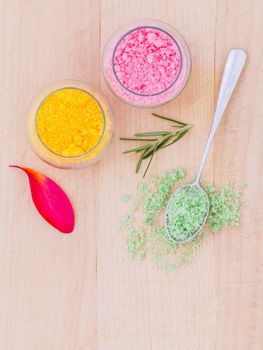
(145, 64)
(147, 61)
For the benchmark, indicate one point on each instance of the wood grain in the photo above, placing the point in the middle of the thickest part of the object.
(84, 291)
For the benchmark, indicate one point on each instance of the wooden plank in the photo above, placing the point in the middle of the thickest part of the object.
(140, 307)
(239, 155)
(48, 281)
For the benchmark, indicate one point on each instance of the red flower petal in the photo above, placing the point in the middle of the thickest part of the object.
(50, 200)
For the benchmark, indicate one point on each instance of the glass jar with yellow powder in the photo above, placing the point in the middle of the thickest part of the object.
(70, 125)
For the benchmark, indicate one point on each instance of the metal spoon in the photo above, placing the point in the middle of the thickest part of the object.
(233, 67)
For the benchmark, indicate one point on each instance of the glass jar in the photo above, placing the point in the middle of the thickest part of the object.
(146, 63)
(62, 128)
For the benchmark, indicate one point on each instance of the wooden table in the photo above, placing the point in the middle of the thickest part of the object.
(84, 291)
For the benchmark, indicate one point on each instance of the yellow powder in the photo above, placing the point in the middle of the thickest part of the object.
(70, 122)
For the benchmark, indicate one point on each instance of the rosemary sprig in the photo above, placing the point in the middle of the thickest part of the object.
(156, 140)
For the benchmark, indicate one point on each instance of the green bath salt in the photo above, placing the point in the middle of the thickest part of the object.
(225, 206)
(125, 197)
(186, 211)
(144, 225)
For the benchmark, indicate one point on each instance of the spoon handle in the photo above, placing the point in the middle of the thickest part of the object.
(233, 67)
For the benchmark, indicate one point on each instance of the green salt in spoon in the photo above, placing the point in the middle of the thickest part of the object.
(188, 207)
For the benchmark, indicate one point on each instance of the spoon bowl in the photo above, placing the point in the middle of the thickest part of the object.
(186, 212)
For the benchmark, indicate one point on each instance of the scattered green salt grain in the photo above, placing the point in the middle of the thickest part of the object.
(125, 197)
(167, 254)
(127, 222)
(186, 212)
(135, 240)
(153, 195)
(146, 235)
(225, 206)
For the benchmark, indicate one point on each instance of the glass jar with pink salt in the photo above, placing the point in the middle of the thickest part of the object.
(146, 63)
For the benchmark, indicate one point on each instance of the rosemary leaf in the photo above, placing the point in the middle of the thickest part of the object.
(138, 166)
(149, 163)
(137, 149)
(154, 133)
(136, 139)
(169, 119)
